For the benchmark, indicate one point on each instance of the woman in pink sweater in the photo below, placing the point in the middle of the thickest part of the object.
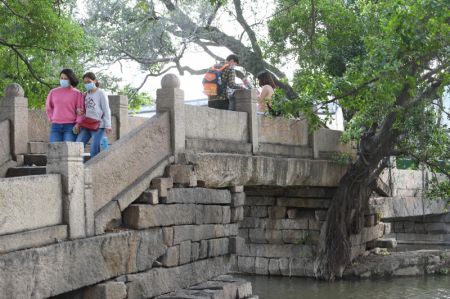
(64, 107)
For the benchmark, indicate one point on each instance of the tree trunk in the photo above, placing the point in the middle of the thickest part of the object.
(345, 215)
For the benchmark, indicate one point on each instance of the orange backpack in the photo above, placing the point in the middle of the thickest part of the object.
(212, 81)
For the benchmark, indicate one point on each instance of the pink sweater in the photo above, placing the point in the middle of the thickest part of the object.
(62, 104)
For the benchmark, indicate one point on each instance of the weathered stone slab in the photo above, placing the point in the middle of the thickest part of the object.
(116, 169)
(237, 189)
(107, 290)
(277, 250)
(218, 247)
(221, 170)
(197, 196)
(228, 288)
(197, 233)
(261, 266)
(280, 130)
(408, 263)
(278, 150)
(367, 234)
(107, 218)
(39, 147)
(303, 202)
(172, 257)
(164, 280)
(401, 206)
(257, 235)
(258, 211)
(195, 251)
(259, 201)
(277, 212)
(162, 185)
(301, 267)
(274, 236)
(149, 196)
(218, 146)
(237, 199)
(246, 264)
(139, 216)
(290, 191)
(42, 272)
(185, 252)
(33, 238)
(182, 174)
(204, 124)
(21, 208)
(237, 214)
(133, 191)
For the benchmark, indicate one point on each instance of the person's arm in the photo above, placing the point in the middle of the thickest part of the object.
(80, 107)
(232, 80)
(49, 106)
(104, 103)
(266, 92)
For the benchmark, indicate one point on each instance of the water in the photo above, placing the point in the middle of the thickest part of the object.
(436, 287)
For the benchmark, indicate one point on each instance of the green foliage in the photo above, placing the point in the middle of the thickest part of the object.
(136, 99)
(375, 59)
(37, 40)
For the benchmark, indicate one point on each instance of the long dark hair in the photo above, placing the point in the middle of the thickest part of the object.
(91, 76)
(265, 78)
(71, 75)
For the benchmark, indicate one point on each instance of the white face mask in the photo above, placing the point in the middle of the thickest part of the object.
(64, 83)
(89, 86)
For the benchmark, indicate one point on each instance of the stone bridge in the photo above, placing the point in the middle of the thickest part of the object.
(179, 201)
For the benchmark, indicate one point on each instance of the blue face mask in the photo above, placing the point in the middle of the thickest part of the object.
(89, 86)
(64, 83)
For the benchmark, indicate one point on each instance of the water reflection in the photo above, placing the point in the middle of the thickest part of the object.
(436, 287)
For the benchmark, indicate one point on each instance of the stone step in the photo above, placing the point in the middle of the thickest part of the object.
(37, 147)
(35, 159)
(25, 170)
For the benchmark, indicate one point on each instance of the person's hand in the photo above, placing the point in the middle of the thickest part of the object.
(107, 130)
(76, 129)
(80, 112)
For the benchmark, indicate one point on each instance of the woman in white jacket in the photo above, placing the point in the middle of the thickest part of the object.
(96, 106)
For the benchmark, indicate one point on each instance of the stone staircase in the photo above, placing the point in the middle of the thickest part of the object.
(34, 162)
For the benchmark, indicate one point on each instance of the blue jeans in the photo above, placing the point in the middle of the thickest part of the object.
(62, 132)
(85, 135)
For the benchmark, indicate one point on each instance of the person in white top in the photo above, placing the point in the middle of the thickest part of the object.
(265, 97)
(96, 107)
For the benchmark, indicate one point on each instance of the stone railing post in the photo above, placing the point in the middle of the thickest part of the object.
(14, 107)
(119, 109)
(246, 102)
(171, 98)
(65, 158)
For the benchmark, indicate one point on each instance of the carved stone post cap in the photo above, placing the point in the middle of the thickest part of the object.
(14, 90)
(170, 81)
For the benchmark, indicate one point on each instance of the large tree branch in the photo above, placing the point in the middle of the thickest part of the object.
(251, 34)
(26, 62)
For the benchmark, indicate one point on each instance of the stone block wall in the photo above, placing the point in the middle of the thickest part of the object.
(199, 227)
(280, 230)
(430, 229)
